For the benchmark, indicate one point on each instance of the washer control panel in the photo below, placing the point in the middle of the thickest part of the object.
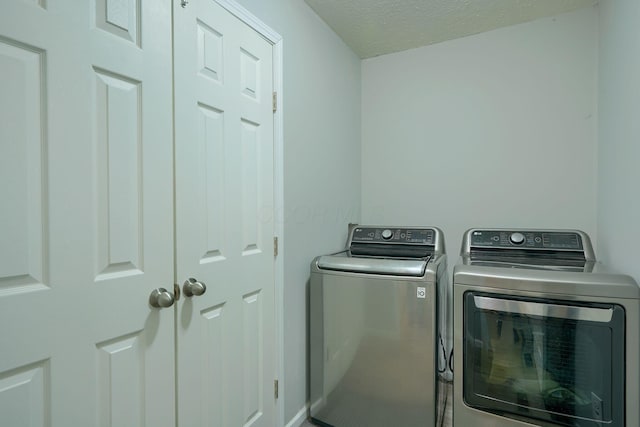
(552, 240)
(413, 236)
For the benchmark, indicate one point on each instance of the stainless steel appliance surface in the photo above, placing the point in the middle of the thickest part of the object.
(374, 344)
(544, 335)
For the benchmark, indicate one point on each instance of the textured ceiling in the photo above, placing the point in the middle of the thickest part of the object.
(378, 27)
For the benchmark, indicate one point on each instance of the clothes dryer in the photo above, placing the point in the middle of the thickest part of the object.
(543, 334)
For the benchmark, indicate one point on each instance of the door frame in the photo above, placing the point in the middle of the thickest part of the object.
(276, 42)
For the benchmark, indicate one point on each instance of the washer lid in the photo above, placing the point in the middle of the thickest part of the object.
(384, 266)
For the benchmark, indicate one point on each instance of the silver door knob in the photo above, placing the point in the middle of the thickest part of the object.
(192, 287)
(161, 298)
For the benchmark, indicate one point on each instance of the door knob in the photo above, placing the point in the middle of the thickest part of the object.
(161, 298)
(193, 288)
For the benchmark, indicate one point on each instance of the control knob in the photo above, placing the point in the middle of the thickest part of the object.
(387, 234)
(517, 238)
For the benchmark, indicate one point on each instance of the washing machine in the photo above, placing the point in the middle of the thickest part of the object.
(374, 342)
(544, 335)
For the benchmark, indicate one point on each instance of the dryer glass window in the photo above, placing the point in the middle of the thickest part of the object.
(544, 359)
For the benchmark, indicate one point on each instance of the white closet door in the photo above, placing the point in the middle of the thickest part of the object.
(224, 217)
(86, 224)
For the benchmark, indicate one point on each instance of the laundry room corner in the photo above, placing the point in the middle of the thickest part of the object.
(495, 128)
(618, 135)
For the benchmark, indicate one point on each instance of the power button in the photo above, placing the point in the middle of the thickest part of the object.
(517, 238)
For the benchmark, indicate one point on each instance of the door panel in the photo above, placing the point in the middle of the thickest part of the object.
(224, 219)
(21, 157)
(86, 231)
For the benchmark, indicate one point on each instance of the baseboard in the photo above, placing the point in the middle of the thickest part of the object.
(317, 405)
(298, 418)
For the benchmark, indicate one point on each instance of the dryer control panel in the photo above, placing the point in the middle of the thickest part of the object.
(519, 247)
(523, 239)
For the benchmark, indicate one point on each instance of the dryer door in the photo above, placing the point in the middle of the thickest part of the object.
(550, 360)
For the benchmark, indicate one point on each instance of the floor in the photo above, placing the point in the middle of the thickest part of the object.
(447, 419)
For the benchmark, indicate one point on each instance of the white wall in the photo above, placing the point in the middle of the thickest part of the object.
(322, 164)
(619, 135)
(493, 130)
